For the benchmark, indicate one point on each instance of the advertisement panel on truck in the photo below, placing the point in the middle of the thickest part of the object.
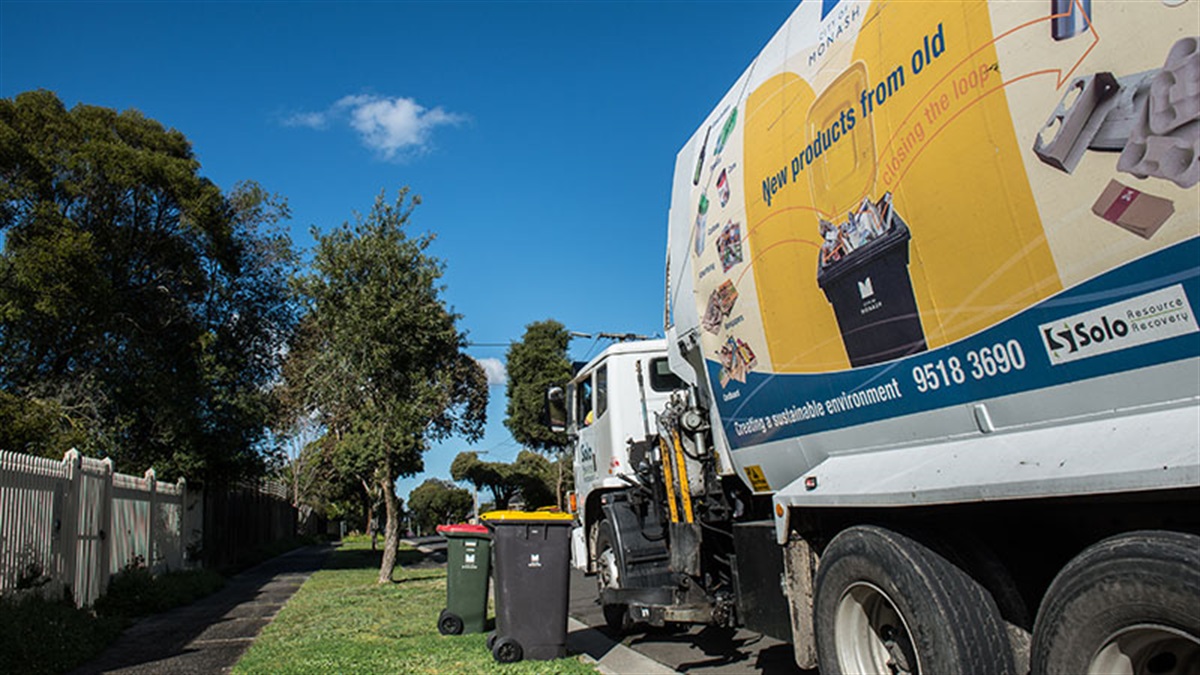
(903, 206)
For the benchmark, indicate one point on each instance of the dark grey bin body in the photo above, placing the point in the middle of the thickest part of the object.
(531, 580)
(872, 297)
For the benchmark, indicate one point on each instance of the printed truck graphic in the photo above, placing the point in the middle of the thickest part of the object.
(946, 200)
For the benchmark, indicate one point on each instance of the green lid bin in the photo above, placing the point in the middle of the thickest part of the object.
(468, 562)
(533, 563)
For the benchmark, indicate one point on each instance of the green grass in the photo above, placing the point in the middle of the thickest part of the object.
(341, 621)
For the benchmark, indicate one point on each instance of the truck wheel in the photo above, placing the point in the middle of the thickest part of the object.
(886, 604)
(1129, 604)
(608, 576)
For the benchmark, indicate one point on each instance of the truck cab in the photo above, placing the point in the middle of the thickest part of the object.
(610, 404)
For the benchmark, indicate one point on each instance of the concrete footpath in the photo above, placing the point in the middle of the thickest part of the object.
(211, 634)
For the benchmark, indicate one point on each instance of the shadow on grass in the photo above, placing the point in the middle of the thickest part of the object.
(360, 558)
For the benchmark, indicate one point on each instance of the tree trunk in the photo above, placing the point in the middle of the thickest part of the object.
(368, 509)
(391, 540)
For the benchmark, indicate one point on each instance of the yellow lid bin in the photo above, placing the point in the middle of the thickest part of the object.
(531, 569)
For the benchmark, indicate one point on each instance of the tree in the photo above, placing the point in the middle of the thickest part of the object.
(379, 360)
(536, 363)
(491, 476)
(531, 476)
(141, 308)
(438, 502)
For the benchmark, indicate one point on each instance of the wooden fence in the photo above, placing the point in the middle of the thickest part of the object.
(74, 523)
(239, 518)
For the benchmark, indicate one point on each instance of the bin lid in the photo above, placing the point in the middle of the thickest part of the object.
(462, 529)
(527, 517)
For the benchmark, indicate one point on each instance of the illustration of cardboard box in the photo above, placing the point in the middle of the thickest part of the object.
(1132, 209)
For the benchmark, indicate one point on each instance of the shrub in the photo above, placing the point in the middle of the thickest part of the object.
(50, 636)
(135, 592)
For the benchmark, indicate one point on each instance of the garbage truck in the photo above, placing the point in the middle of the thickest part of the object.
(928, 396)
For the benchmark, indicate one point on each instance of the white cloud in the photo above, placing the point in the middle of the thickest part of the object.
(395, 128)
(312, 120)
(496, 372)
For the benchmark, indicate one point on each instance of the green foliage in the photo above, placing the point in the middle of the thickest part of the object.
(536, 363)
(142, 311)
(341, 622)
(439, 502)
(36, 426)
(50, 636)
(531, 476)
(378, 361)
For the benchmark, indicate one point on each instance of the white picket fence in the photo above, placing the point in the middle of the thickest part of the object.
(76, 522)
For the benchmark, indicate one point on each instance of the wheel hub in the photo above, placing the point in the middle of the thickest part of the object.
(870, 636)
(1148, 649)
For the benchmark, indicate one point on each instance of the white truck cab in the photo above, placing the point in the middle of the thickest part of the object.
(611, 403)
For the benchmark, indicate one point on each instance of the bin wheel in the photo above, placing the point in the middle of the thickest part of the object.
(507, 650)
(491, 641)
(450, 623)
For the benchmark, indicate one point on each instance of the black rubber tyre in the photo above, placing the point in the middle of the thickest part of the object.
(491, 641)
(507, 650)
(1129, 604)
(608, 575)
(885, 603)
(449, 623)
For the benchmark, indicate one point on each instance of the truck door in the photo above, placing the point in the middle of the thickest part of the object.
(589, 407)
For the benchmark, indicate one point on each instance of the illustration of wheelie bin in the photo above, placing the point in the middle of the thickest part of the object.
(468, 561)
(532, 567)
(872, 297)
(863, 263)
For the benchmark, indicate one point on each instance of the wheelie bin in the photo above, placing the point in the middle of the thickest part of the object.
(533, 562)
(468, 561)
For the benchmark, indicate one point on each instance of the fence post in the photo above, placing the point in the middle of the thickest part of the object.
(183, 530)
(69, 548)
(152, 486)
(106, 521)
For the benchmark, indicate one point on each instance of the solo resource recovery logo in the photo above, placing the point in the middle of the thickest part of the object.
(1162, 314)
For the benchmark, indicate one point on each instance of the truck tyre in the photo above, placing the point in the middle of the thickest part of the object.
(1129, 604)
(608, 575)
(887, 604)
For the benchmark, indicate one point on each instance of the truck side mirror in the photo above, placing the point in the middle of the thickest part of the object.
(556, 409)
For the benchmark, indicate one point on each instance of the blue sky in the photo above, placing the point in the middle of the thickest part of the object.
(541, 136)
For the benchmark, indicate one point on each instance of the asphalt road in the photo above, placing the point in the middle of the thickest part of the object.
(696, 649)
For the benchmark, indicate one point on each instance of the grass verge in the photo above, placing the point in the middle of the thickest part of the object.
(341, 621)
